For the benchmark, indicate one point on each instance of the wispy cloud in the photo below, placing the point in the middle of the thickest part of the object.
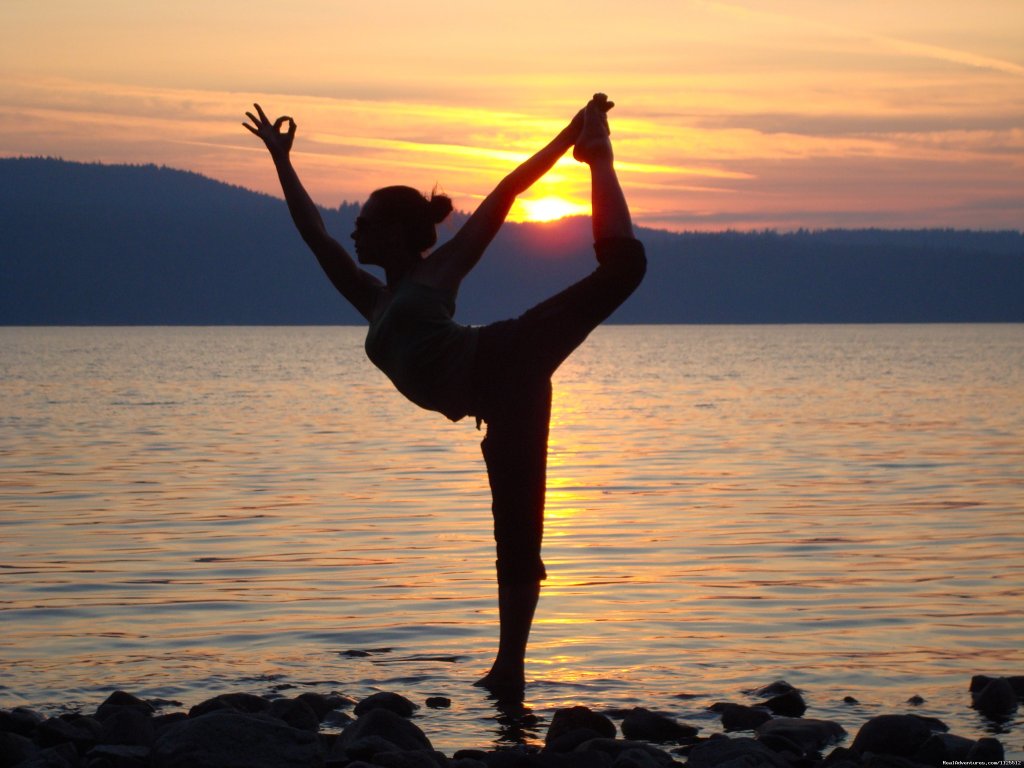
(809, 21)
(731, 112)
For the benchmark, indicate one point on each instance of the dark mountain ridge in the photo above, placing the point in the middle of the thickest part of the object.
(115, 244)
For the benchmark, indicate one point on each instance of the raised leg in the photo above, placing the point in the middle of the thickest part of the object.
(594, 146)
(557, 326)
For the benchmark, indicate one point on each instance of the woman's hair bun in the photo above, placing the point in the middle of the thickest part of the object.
(440, 207)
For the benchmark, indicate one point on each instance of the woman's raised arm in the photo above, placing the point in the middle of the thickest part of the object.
(450, 263)
(358, 286)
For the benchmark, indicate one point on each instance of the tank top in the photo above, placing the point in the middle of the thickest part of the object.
(425, 353)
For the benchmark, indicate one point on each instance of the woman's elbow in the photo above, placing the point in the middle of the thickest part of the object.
(510, 188)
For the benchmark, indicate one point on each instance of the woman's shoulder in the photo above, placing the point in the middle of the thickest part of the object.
(435, 273)
(440, 269)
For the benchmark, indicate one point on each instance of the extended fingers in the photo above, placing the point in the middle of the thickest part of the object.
(601, 100)
(261, 124)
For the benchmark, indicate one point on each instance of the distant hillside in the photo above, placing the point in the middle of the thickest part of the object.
(96, 244)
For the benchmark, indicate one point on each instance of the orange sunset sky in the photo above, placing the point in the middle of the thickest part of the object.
(742, 114)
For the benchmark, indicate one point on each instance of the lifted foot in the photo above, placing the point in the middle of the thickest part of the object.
(593, 142)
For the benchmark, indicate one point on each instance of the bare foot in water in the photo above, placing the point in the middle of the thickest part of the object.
(593, 142)
(509, 688)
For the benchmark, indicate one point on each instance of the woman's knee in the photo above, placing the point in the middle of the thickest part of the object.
(519, 570)
(624, 258)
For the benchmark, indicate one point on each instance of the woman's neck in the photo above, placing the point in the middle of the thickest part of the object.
(396, 275)
(401, 268)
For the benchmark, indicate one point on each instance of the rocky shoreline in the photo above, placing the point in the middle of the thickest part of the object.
(247, 731)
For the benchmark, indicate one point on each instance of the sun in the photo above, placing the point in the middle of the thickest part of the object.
(550, 208)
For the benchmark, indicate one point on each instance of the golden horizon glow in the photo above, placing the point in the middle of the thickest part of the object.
(550, 208)
(742, 114)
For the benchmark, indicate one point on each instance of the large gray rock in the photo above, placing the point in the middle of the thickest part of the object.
(296, 712)
(226, 739)
(789, 704)
(384, 700)
(778, 688)
(466, 762)
(383, 723)
(900, 735)
(940, 748)
(324, 704)
(232, 702)
(118, 701)
(15, 748)
(81, 731)
(568, 741)
(363, 748)
(20, 720)
(635, 758)
(418, 759)
(616, 747)
(575, 718)
(128, 726)
(644, 725)
(725, 752)
(118, 756)
(987, 750)
(1016, 682)
(60, 756)
(548, 759)
(808, 734)
(518, 756)
(739, 717)
(995, 699)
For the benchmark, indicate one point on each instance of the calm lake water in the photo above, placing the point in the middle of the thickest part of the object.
(190, 511)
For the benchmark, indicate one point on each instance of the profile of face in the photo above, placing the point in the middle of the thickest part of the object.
(396, 226)
(376, 238)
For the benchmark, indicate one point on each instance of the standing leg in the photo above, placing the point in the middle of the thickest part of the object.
(517, 602)
(515, 450)
(515, 373)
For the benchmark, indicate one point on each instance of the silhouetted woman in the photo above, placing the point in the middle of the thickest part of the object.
(500, 373)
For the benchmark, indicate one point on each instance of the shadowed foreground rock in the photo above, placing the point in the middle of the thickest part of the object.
(224, 739)
(900, 735)
(995, 697)
(741, 752)
(247, 731)
(799, 735)
(740, 717)
(643, 725)
(572, 726)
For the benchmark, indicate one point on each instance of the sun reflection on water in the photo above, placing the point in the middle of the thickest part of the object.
(189, 511)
